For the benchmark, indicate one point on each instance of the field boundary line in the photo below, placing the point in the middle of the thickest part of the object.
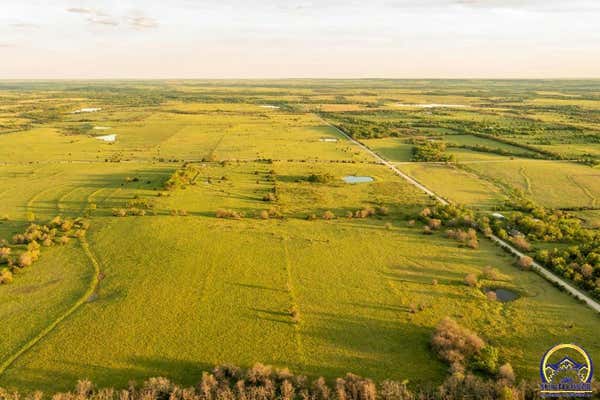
(527, 181)
(584, 189)
(545, 273)
(92, 286)
(294, 301)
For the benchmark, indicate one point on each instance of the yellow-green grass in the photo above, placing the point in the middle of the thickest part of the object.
(393, 149)
(469, 140)
(455, 184)
(573, 150)
(550, 183)
(184, 293)
(591, 218)
(40, 294)
(470, 156)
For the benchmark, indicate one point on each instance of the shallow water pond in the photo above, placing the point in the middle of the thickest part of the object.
(357, 179)
(502, 294)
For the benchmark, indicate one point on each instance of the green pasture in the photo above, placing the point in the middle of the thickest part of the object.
(181, 290)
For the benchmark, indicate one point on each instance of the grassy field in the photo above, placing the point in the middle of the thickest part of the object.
(181, 290)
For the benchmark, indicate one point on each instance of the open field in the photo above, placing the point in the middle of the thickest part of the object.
(294, 281)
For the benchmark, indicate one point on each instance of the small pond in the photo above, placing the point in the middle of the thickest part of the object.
(502, 294)
(357, 179)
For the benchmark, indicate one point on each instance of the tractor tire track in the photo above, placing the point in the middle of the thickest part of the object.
(584, 189)
(92, 286)
(294, 302)
(527, 181)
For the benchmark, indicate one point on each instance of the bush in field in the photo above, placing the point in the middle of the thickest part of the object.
(382, 210)
(506, 373)
(119, 212)
(223, 213)
(25, 259)
(520, 243)
(6, 276)
(4, 254)
(364, 212)
(264, 214)
(328, 215)
(320, 178)
(270, 196)
(275, 213)
(486, 360)
(434, 224)
(525, 262)
(455, 344)
(491, 273)
(471, 280)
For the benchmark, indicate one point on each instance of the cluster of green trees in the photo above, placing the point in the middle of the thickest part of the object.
(577, 258)
(182, 177)
(496, 150)
(321, 178)
(465, 351)
(360, 128)
(26, 247)
(263, 382)
(430, 150)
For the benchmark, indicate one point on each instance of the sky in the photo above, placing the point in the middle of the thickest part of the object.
(213, 39)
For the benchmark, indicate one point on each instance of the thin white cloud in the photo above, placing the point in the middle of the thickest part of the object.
(134, 19)
(80, 10)
(141, 22)
(24, 25)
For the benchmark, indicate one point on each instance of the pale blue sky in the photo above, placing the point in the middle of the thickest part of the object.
(303, 38)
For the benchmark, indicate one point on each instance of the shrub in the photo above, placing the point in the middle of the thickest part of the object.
(472, 243)
(491, 273)
(5, 276)
(320, 178)
(328, 215)
(506, 373)
(4, 254)
(525, 262)
(521, 243)
(222, 213)
(25, 259)
(269, 197)
(382, 210)
(471, 280)
(455, 344)
(119, 212)
(486, 360)
(264, 214)
(434, 224)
